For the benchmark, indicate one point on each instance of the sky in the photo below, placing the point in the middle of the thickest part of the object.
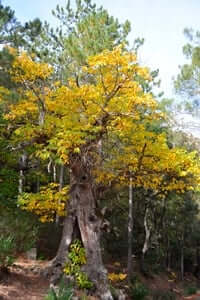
(159, 22)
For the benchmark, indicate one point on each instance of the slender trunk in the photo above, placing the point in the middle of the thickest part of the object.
(182, 263)
(54, 173)
(21, 181)
(49, 166)
(147, 234)
(81, 213)
(146, 241)
(130, 230)
(41, 118)
(61, 177)
(169, 260)
(182, 258)
(42, 112)
(168, 254)
(197, 263)
(23, 164)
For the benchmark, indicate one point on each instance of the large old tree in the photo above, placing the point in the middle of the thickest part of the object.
(73, 122)
(99, 128)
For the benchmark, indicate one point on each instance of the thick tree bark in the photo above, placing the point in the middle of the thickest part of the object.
(81, 212)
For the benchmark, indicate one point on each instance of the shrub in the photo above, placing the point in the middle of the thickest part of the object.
(21, 226)
(77, 258)
(17, 234)
(190, 290)
(7, 251)
(138, 291)
(63, 293)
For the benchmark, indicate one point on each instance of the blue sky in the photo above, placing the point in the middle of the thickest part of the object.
(159, 22)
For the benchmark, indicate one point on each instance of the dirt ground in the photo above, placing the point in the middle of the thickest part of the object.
(24, 282)
(163, 282)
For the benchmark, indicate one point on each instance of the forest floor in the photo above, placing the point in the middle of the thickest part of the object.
(25, 282)
(164, 283)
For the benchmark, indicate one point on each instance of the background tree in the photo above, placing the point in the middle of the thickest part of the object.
(188, 80)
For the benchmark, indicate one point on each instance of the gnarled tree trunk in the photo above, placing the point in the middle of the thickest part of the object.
(81, 213)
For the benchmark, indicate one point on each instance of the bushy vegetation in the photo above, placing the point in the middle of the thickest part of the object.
(77, 258)
(62, 292)
(18, 234)
(190, 290)
(138, 291)
(7, 250)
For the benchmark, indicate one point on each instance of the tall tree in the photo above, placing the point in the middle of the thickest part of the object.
(9, 26)
(83, 30)
(187, 82)
(102, 138)
(15, 34)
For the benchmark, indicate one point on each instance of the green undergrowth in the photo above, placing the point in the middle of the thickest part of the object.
(77, 258)
(63, 292)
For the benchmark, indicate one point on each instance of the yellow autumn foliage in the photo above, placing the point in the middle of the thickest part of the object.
(109, 106)
(114, 277)
(25, 69)
(47, 203)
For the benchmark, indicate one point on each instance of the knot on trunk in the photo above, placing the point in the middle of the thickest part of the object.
(93, 218)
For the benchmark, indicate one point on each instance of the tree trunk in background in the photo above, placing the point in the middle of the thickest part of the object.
(168, 263)
(21, 182)
(182, 258)
(61, 177)
(147, 234)
(54, 173)
(42, 111)
(23, 164)
(197, 263)
(146, 241)
(130, 230)
(81, 212)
